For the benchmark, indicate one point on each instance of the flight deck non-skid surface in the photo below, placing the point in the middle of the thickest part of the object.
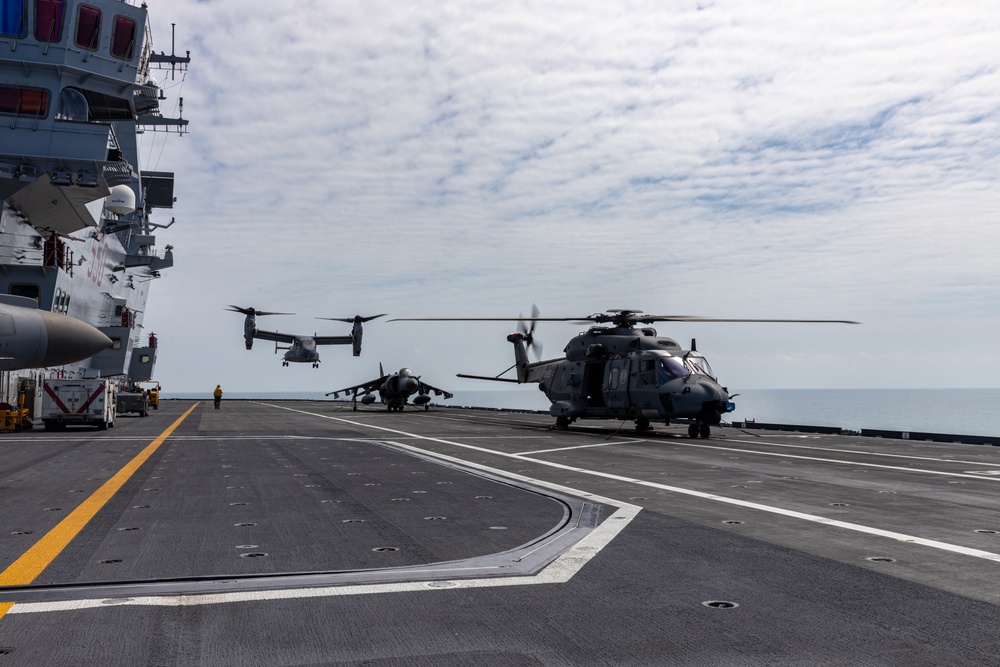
(748, 549)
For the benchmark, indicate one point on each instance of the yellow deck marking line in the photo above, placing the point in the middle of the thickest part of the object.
(31, 564)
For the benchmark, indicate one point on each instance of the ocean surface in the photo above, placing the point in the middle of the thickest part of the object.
(955, 411)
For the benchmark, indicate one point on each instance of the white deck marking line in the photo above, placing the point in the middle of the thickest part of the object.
(992, 464)
(869, 530)
(566, 449)
(851, 451)
(846, 463)
(561, 570)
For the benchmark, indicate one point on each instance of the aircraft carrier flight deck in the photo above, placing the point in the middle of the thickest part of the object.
(306, 533)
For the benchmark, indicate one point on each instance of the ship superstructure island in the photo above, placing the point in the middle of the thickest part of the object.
(77, 233)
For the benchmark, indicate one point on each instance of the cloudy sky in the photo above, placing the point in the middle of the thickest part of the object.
(727, 159)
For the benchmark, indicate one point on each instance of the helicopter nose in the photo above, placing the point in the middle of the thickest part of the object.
(701, 394)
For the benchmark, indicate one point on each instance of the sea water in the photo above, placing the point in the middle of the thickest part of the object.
(956, 411)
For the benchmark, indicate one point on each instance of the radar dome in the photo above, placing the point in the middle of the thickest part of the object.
(121, 200)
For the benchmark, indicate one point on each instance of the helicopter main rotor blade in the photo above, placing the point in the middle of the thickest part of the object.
(588, 320)
(657, 318)
(352, 319)
(252, 311)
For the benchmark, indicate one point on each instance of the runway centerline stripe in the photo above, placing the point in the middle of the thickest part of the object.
(33, 561)
(870, 530)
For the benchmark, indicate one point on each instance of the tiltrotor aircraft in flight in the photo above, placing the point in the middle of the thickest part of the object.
(301, 348)
(624, 371)
(394, 390)
(33, 338)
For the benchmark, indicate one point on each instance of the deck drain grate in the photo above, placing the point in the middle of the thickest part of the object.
(109, 561)
(22, 532)
(985, 531)
(434, 518)
(127, 528)
(732, 522)
(353, 521)
(255, 554)
(244, 524)
(385, 549)
(881, 559)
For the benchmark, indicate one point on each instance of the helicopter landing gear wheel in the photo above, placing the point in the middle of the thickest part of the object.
(704, 431)
(642, 424)
(562, 423)
(693, 431)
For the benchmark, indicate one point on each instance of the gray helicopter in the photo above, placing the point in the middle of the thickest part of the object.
(394, 390)
(301, 349)
(624, 371)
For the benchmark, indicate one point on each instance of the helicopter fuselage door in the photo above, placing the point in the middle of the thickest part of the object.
(616, 383)
(593, 380)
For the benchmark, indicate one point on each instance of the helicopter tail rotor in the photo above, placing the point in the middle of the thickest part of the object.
(529, 333)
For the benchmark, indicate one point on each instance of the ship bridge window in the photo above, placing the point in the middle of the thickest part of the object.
(49, 20)
(88, 27)
(123, 38)
(13, 18)
(24, 102)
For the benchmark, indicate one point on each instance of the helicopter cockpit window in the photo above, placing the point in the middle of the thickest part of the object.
(670, 368)
(647, 371)
(700, 365)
